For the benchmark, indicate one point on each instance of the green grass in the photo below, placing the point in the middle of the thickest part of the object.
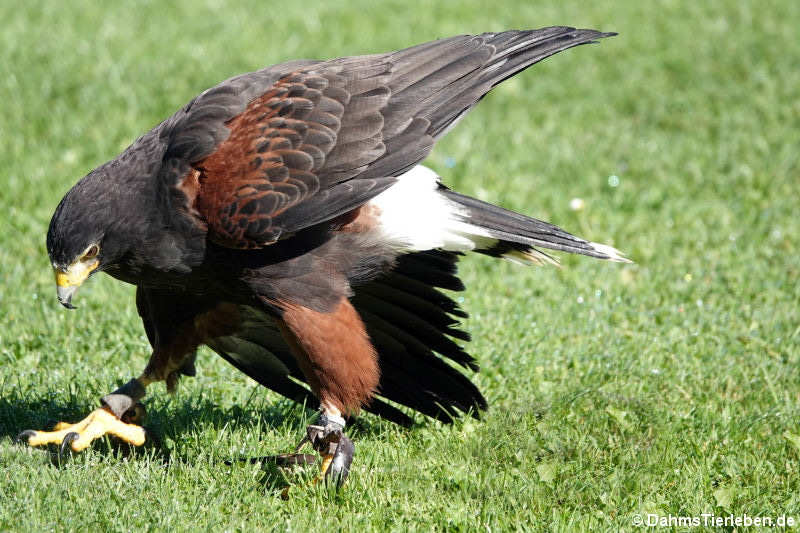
(669, 387)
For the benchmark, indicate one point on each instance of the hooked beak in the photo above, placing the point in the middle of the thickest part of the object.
(68, 281)
(65, 296)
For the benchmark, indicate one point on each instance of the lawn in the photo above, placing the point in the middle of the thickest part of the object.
(666, 387)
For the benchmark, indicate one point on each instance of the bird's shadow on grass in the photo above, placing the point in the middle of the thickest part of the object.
(169, 420)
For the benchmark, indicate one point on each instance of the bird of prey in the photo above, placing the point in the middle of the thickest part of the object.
(283, 219)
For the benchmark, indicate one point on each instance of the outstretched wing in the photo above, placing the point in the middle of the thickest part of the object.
(275, 151)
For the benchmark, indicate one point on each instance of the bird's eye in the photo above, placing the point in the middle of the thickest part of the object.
(92, 252)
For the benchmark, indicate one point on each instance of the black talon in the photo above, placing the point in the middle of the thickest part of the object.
(342, 459)
(68, 439)
(23, 437)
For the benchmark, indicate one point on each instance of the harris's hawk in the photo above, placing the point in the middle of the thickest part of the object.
(283, 219)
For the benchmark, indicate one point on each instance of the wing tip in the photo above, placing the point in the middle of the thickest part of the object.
(561, 31)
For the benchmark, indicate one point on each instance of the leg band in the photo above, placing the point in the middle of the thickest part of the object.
(124, 397)
(326, 419)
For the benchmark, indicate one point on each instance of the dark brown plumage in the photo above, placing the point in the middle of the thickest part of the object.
(281, 218)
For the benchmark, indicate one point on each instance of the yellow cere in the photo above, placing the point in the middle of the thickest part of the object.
(76, 274)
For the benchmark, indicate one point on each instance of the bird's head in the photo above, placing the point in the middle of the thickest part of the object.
(79, 239)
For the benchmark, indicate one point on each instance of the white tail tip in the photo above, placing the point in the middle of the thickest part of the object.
(612, 253)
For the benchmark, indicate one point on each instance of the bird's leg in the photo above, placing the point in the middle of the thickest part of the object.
(328, 439)
(120, 411)
(174, 342)
(335, 354)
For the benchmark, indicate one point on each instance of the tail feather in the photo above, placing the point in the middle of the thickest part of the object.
(518, 236)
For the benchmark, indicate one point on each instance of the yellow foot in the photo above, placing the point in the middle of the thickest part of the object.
(327, 459)
(80, 435)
